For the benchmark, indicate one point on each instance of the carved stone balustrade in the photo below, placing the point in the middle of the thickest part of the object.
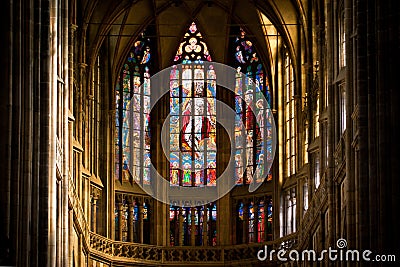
(110, 251)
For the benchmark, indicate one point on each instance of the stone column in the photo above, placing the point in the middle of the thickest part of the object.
(109, 203)
(358, 193)
(223, 220)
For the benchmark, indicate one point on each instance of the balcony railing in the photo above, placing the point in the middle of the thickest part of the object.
(120, 252)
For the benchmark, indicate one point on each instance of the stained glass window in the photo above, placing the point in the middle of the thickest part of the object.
(269, 219)
(290, 210)
(187, 229)
(116, 222)
(193, 138)
(199, 221)
(193, 115)
(254, 221)
(257, 147)
(199, 226)
(261, 222)
(174, 225)
(135, 222)
(129, 222)
(146, 222)
(212, 224)
(124, 224)
(240, 223)
(132, 96)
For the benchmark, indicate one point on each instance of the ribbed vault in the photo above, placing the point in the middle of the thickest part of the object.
(118, 23)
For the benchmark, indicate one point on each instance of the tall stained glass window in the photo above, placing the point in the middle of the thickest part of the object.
(193, 139)
(193, 114)
(132, 157)
(257, 147)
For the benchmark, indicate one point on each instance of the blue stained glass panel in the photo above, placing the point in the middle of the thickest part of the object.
(174, 160)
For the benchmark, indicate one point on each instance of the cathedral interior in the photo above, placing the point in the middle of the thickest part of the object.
(313, 155)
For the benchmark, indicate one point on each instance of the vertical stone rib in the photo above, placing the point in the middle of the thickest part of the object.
(34, 238)
(66, 134)
(44, 174)
(52, 129)
(362, 178)
(6, 51)
(349, 150)
(26, 134)
(15, 192)
(373, 195)
(328, 127)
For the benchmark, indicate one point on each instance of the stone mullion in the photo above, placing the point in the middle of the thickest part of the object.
(234, 217)
(285, 213)
(94, 214)
(245, 223)
(119, 205)
(192, 226)
(294, 209)
(140, 222)
(205, 226)
(265, 219)
(180, 229)
(255, 222)
(131, 222)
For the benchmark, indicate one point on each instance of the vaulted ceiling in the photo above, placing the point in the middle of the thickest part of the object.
(119, 23)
